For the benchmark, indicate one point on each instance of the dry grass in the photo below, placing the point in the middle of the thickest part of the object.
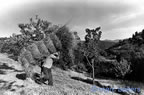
(63, 84)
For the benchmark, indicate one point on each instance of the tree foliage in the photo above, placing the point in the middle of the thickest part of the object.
(36, 30)
(90, 49)
(65, 36)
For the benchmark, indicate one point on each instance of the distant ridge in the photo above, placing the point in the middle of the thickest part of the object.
(105, 44)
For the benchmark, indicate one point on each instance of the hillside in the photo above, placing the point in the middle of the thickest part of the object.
(132, 50)
(63, 84)
(105, 44)
(11, 84)
(37, 41)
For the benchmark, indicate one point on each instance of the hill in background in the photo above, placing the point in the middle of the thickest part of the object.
(132, 50)
(105, 44)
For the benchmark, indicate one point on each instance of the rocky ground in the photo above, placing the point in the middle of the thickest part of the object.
(10, 84)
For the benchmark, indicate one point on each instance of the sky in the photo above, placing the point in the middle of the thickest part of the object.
(118, 19)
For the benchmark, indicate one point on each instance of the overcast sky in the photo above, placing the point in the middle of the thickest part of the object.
(119, 19)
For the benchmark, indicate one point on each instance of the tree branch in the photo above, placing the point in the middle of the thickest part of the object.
(88, 61)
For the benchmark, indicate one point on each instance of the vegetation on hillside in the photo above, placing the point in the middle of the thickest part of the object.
(132, 50)
(119, 60)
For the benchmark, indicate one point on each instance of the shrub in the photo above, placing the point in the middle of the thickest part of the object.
(112, 68)
(66, 38)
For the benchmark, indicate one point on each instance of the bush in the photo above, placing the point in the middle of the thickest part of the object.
(66, 38)
(112, 68)
(11, 48)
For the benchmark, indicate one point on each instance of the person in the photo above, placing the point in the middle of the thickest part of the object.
(46, 68)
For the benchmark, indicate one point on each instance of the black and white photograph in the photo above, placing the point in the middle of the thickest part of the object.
(71, 47)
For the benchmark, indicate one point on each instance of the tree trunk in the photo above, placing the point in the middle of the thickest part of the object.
(93, 71)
